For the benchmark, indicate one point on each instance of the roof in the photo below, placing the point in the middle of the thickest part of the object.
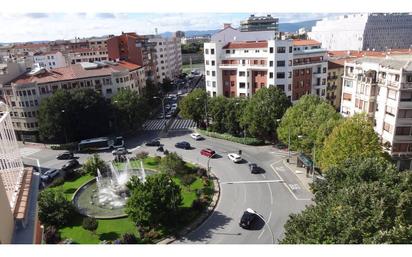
(358, 54)
(391, 62)
(305, 42)
(75, 71)
(30, 46)
(338, 63)
(45, 53)
(246, 44)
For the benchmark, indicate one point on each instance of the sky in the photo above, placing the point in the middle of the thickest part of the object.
(22, 27)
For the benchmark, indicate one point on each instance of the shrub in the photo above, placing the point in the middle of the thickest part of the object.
(188, 179)
(57, 182)
(129, 238)
(73, 174)
(157, 159)
(52, 235)
(151, 234)
(172, 164)
(142, 155)
(201, 172)
(166, 152)
(225, 136)
(90, 224)
(54, 208)
(199, 204)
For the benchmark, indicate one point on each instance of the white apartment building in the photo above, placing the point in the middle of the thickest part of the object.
(86, 55)
(378, 31)
(239, 63)
(49, 60)
(381, 87)
(168, 56)
(25, 93)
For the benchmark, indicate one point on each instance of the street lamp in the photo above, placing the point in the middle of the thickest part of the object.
(163, 104)
(267, 224)
(207, 121)
(64, 127)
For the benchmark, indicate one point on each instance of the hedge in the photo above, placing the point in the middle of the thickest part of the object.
(225, 136)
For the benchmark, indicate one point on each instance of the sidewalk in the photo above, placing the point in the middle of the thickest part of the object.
(299, 172)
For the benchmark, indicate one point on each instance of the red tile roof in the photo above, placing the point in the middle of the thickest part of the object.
(246, 44)
(128, 65)
(21, 46)
(305, 42)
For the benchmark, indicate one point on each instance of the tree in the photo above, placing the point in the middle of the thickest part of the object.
(54, 208)
(94, 163)
(52, 235)
(193, 105)
(263, 110)
(172, 164)
(313, 119)
(90, 224)
(234, 110)
(131, 110)
(155, 202)
(151, 90)
(361, 201)
(129, 238)
(353, 137)
(217, 112)
(166, 85)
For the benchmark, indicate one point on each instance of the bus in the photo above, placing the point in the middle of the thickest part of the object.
(100, 143)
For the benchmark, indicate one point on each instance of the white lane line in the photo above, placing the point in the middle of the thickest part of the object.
(271, 194)
(294, 196)
(268, 220)
(251, 182)
(134, 149)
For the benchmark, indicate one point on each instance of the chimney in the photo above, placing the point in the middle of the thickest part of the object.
(226, 25)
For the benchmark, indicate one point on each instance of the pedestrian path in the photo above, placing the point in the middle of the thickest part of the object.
(157, 124)
(182, 124)
(26, 151)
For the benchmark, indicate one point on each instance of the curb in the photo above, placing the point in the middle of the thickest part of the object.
(202, 218)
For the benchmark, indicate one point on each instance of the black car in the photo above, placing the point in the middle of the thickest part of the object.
(65, 156)
(183, 145)
(247, 219)
(153, 143)
(254, 169)
(70, 164)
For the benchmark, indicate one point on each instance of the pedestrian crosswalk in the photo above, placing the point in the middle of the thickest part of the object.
(157, 124)
(182, 124)
(26, 151)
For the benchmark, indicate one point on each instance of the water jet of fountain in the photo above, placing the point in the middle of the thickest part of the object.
(142, 171)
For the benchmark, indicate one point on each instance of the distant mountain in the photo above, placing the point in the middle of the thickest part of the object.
(284, 27)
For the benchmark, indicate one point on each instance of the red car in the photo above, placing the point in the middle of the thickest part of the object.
(207, 152)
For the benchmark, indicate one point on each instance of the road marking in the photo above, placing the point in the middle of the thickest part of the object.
(251, 182)
(294, 187)
(287, 187)
(134, 149)
(264, 228)
(271, 194)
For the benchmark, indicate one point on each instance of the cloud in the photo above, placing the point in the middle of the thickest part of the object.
(105, 15)
(37, 15)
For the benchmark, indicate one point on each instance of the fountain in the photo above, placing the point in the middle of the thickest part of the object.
(106, 196)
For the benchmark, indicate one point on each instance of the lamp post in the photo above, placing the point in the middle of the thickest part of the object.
(267, 224)
(64, 127)
(163, 105)
(115, 118)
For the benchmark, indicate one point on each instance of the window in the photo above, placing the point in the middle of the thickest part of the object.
(228, 51)
(290, 62)
(387, 127)
(289, 74)
(13, 103)
(232, 83)
(281, 50)
(280, 63)
(271, 63)
(406, 96)
(242, 73)
(281, 87)
(409, 78)
(213, 63)
(347, 97)
(403, 131)
(207, 73)
(212, 51)
(280, 75)
(36, 102)
(213, 73)
(396, 77)
(289, 87)
(246, 51)
(324, 69)
(108, 91)
(242, 85)
(390, 110)
(404, 113)
(271, 50)
(214, 83)
(271, 75)
(392, 94)
(206, 51)
(262, 84)
(290, 49)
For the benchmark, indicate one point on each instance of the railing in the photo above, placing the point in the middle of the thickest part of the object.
(240, 64)
(406, 85)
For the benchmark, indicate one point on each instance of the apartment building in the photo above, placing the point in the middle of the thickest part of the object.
(381, 87)
(334, 83)
(168, 56)
(374, 31)
(239, 63)
(135, 49)
(86, 55)
(49, 60)
(259, 23)
(25, 93)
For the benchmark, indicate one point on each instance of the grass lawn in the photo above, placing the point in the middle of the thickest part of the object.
(114, 228)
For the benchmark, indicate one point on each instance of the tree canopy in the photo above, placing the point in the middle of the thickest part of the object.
(353, 137)
(193, 105)
(172, 164)
(217, 108)
(361, 201)
(262, 111)
(313, 119)
(54, 208)
(155, 202)
(93, 163)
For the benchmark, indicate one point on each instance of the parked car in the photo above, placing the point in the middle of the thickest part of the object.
(160, 116)
(120, 151)
(168, 115)
(254, 169)
(207, 152)
(247, 219)
(49, 175)
(196, 136)
(167, 106)
(183, 145)
(174, 106)
(153, 143)
(70, 164)
(281, 146)
(65, 156)
(234, 157)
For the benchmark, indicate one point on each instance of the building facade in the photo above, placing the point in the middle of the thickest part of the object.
(382, 88)
(334, 83)
(25, 93)
(168, 57)
(86, 55)
(49, 60)
(375, 31)
(259, 23)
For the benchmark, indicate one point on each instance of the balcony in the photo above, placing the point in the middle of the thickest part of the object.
(247, 65)
(406, 85)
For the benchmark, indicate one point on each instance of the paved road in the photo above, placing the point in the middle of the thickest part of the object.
(275, 194)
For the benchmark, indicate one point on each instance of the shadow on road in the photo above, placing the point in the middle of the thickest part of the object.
(205, 232)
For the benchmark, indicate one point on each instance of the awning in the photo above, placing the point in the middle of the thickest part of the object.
(306, 160)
